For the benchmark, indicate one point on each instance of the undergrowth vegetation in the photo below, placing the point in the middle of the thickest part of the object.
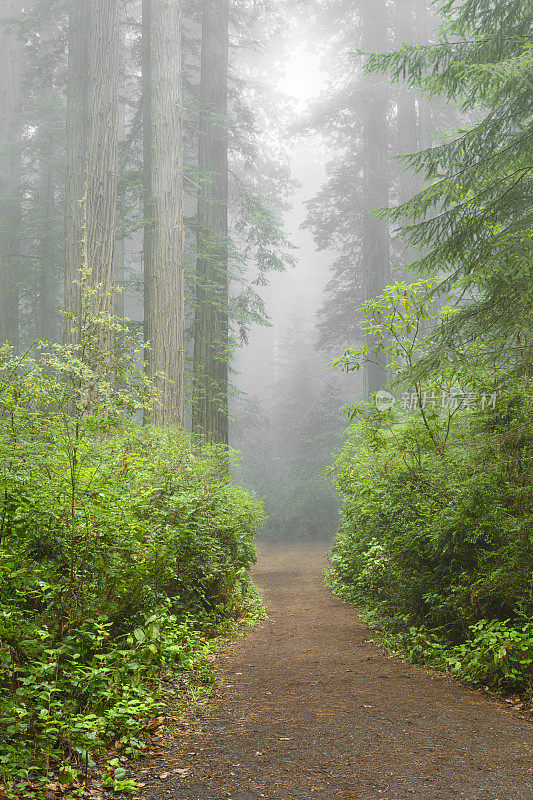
(436, 538)
(437, 526)
(123, 552)
(440, 547)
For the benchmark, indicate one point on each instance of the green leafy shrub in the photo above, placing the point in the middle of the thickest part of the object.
(495, 653)
(122, 552)
(441, 548)
(436, 528)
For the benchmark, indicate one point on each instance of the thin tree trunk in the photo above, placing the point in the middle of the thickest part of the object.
(120, 244)
(376, 237)
(47, 309)
(10, 189)
(211, 333)
(163, 176)
(407, 118)
(148, 211)
(76, 155)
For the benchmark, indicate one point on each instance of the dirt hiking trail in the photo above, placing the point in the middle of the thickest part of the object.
(310, 708)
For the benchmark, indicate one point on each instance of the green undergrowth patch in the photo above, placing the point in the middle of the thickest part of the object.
(70, 697)
(439, 553)
(125, 555)
(87, 717)
(436, 529)
(495, 654)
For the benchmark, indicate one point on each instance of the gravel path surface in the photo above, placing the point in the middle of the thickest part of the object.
(310, 707)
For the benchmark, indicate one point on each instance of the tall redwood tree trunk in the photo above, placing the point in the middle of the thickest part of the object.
(163, 192)
(211, 333)
(102, 164)
(92, 124)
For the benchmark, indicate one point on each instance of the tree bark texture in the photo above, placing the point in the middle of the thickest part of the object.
(211, 332)
(92, 124)
(10, 188)
(102, 165)
(163, 189)
(76, 153)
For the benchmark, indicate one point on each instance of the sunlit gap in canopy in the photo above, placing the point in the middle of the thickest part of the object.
(304, 78)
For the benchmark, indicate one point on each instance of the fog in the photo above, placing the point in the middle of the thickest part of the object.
(289, 417)
(219, 163)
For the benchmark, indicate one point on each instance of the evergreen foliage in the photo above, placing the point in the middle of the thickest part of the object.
(475, 216)
(436, 533)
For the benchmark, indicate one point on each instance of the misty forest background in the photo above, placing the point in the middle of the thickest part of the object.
(265, 269)
(299, 173)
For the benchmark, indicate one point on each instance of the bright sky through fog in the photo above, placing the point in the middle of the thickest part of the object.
(303, 77)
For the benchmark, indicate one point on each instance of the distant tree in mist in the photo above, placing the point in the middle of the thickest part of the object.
(45, 192)
(288, 440)
(375, 247)
(365, 124)
(11, 56)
